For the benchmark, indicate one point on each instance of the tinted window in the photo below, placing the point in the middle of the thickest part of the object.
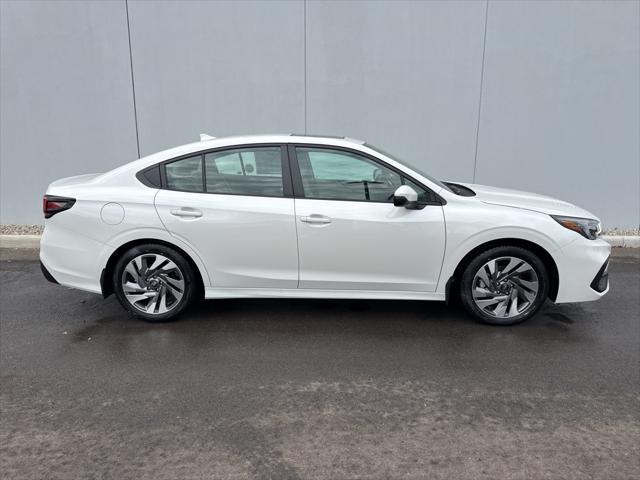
(185, 174)
(340, 175)
(415, 169)
(246, 171)
(150, 177)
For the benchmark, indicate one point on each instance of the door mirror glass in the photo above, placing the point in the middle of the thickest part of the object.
(405, 196)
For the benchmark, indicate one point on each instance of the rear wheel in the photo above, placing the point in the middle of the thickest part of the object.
(504, 285)
(154, 282)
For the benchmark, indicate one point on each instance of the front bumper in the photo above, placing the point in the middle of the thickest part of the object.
(600, 282)
(582, 270)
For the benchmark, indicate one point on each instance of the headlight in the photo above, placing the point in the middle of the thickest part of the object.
(587, 227)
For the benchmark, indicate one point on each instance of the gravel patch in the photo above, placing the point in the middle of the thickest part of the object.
(10, 229)
(622, 231)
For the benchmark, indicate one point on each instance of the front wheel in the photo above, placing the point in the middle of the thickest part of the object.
(504, 285)
(154, 282)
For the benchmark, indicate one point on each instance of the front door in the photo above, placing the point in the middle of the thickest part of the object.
(233, 208)
(350, 235)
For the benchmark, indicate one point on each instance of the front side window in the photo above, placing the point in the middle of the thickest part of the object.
(340, 175)
(246, 171)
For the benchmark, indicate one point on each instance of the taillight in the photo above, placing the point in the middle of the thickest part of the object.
(52, 205)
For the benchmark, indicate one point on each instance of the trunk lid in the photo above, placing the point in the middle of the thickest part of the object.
(63, 185)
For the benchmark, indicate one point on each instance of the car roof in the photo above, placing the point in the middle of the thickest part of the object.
(210, 142)
(278, 138)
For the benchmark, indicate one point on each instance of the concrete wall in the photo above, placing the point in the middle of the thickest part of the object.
(541, 96)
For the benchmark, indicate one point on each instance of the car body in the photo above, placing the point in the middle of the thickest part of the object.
(314, 217)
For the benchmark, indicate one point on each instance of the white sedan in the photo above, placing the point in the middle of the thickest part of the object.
(313, 217)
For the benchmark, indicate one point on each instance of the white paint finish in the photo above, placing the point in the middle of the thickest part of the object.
(217, 67)
(244, 241)
(403, 75)
(84, 218)
(69, 252)
(213, 293)
(66, 99)
(578, 263)
(33, 241)
(151, 235)
(77, 245)
(561, 103)
(534, 201)
(369, 246)
(112, 213)
(470, 223)
(141, 219)
(248, 245)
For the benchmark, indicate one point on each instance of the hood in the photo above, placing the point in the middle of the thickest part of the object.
(528, 201)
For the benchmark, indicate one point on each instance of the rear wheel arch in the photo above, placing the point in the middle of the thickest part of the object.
(540, 252)
(107, 272)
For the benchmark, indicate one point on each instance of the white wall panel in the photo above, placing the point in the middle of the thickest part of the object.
(561, 107)
(217, 67)
(404, 76)
(560, 103)
(65, 97)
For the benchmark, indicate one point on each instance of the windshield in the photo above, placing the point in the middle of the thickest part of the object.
(407, 164)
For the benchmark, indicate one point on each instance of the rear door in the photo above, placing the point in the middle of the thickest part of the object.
(350, 235)
(234, 206)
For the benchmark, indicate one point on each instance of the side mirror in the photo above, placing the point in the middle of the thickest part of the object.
(406, 197)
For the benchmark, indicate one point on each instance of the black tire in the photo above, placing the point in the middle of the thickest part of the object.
(474, 266)
(185, 270)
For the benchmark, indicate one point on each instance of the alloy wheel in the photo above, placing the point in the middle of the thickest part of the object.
(152, 283)
(505, 287)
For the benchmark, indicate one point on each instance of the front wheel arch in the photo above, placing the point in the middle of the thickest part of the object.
(543, 254)
(106, 284)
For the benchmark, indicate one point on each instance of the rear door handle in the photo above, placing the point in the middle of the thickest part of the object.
(315, 218)
(186, 212)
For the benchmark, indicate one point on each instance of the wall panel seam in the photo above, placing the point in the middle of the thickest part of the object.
(484, 49)
(133, 83)
(305, 62)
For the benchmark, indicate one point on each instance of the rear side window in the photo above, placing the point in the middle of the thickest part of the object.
(150, 177)
(185, 174)
(245, 171)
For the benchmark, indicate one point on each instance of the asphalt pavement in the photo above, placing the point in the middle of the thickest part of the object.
(316, 389)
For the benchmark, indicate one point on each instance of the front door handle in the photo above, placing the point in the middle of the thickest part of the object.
(186, 212)
(315, 218)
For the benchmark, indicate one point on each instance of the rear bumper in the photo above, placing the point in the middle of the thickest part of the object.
(582, 270)
(46, 273)
(70, 259)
